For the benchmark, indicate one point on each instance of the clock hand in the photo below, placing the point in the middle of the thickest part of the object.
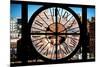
(56, 28)
(52, 15)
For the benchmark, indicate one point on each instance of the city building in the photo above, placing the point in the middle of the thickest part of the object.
(91, 33)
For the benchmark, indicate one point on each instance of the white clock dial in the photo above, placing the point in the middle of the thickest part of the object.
(46, 24)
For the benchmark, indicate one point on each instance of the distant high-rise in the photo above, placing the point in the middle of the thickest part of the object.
(91, 32)
(13, 28)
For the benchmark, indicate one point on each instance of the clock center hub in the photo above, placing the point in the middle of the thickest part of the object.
(56, 28)
(56, 39)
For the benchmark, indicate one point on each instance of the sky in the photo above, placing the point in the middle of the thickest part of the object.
(32, 10)
(90, 13)
(77, 10)
(15, 10)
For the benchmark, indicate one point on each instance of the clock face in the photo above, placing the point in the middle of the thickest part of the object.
(55, 33)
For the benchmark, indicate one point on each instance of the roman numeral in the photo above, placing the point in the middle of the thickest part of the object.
(35, 32)
(65, 15)
(43, 48)
(61, 12)
(46, 15)
(38, 43)
(40, 46)
(58, 13)
(73, 41)
(72, 29)
(76, 31)
(38, 23)
(39, 29)
(71, 24)
(68, 20)
(38, 39)
(46, 52)
(35, 36)
(62, 50)
(66, 48)
(52, 11)
(43, 20)
(52, 52)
